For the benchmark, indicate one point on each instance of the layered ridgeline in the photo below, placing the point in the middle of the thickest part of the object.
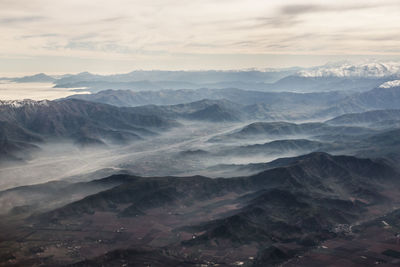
(378, 98)
(283, 201)
(282, 130)
(325, 91)
(28, 123)
(346, 77)
(37, 78)
(331, 77)
(375, 118)
(259, 220)
(256, 102)
(160, 80)
(270, 140)
(297, 105)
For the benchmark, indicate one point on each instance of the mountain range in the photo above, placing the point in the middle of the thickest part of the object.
(197, 220)
(37, 78)
(284, 167)
(27, 123)
(305, 105)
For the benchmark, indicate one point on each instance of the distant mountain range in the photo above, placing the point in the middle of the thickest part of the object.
(208, 76)
(347, 69)
(346, 77)
(333, 77)
(257, 105)
(292, 83)
(170, 97)
(306, 105)
(161, 80)
(37, 78)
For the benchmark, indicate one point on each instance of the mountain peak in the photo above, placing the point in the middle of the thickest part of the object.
(346, 69)
(390, 84)
(25, 102)
(40, 77)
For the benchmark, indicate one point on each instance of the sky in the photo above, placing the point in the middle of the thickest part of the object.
(58, 36)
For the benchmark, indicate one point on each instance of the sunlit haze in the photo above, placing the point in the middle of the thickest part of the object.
(123, 35)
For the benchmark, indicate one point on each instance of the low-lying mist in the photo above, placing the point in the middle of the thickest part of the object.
(63, 159)
(180, 151)
(35, 91)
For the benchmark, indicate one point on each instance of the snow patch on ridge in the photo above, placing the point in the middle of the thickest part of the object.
(390, 84)
(25, 102)
(367, 70)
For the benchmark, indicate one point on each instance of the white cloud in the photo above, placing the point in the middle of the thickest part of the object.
(157, 29)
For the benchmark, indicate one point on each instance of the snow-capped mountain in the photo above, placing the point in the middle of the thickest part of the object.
(390, 84)
(25, 102)
(365, 70)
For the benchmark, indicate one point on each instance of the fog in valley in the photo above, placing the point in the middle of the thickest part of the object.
(35, 91)
(169, 153)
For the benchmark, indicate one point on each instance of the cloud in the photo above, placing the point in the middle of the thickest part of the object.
(291, 15)
(22, 19)
(174, 28)
(113, 19)
(45, 35)
(299, 9)
(277, 22)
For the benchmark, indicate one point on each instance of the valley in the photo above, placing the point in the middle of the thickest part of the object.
(201, 177)
(200, 133)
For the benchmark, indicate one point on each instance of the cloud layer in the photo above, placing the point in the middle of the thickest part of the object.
(176, 31)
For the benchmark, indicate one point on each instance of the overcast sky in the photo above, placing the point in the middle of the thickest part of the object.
(123, 35)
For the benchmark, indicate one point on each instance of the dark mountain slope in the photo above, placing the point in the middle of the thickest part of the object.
(25, 200)
(389, 138)
(15, 141)
(319, 173)
(280, 215)
(24, 125)
(15, 132)
(384, 144)
(199, 220)
(374, 242)
(81, 121)
(15, 150)
(136, 257)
